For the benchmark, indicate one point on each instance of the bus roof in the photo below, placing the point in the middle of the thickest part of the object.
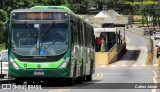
(38, 10)
(56, 7)
(52, 7)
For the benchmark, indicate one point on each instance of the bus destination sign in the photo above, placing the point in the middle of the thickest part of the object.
(39, 16)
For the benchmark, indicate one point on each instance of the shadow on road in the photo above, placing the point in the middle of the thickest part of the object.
(130, 55)
(63, 84)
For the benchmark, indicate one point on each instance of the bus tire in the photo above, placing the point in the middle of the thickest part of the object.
(88, 77)
(71, 80)
(80, 78)
(19, 81)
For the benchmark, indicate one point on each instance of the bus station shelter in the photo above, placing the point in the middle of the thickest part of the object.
(114, 35)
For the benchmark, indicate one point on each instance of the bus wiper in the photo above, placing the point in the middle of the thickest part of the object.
(46, 31)
(30, 30)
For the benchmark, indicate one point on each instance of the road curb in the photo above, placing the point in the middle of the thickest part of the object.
(7, 81)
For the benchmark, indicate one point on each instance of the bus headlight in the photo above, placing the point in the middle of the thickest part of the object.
(13, 63)
(64, 64)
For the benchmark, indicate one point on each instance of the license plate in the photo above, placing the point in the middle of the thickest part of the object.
(38, 73)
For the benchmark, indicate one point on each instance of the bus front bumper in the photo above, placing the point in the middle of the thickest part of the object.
(45, 73)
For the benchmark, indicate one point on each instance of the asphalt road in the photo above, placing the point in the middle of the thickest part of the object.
(116, 77)
(136, 40)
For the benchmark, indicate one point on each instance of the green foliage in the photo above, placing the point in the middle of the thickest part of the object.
(79, 7)
(3, 16)
(2, 47)
(121, 7)
(1, 31)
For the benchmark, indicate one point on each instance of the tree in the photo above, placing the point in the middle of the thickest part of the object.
(1, 32)
(79, 6)
(3, 17)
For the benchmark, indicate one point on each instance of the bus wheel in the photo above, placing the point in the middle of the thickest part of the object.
(80, 79)
(19, 81)
(71, 80)
(89, 78)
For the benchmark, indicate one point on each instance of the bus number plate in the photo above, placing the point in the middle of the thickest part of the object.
(38, 73)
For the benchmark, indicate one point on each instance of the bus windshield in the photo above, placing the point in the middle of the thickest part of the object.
(39, 39)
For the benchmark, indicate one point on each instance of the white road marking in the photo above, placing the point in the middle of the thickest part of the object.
(155, 64)
(99, 76)
(113, 65)
(130, 74)
(124, 65)
(103, 66)
(143, 65)
(134, 65)
(59, 90)
(155, 80)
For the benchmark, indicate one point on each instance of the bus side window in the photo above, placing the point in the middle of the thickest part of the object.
(73, 31)
(76, 34)
(79, 33)
(93, 38)
(85, 34)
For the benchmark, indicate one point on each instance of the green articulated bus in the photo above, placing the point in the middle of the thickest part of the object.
(50, 43)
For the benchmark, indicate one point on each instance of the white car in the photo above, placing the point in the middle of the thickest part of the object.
(0, 56)
(157, 35)
(4, 60)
